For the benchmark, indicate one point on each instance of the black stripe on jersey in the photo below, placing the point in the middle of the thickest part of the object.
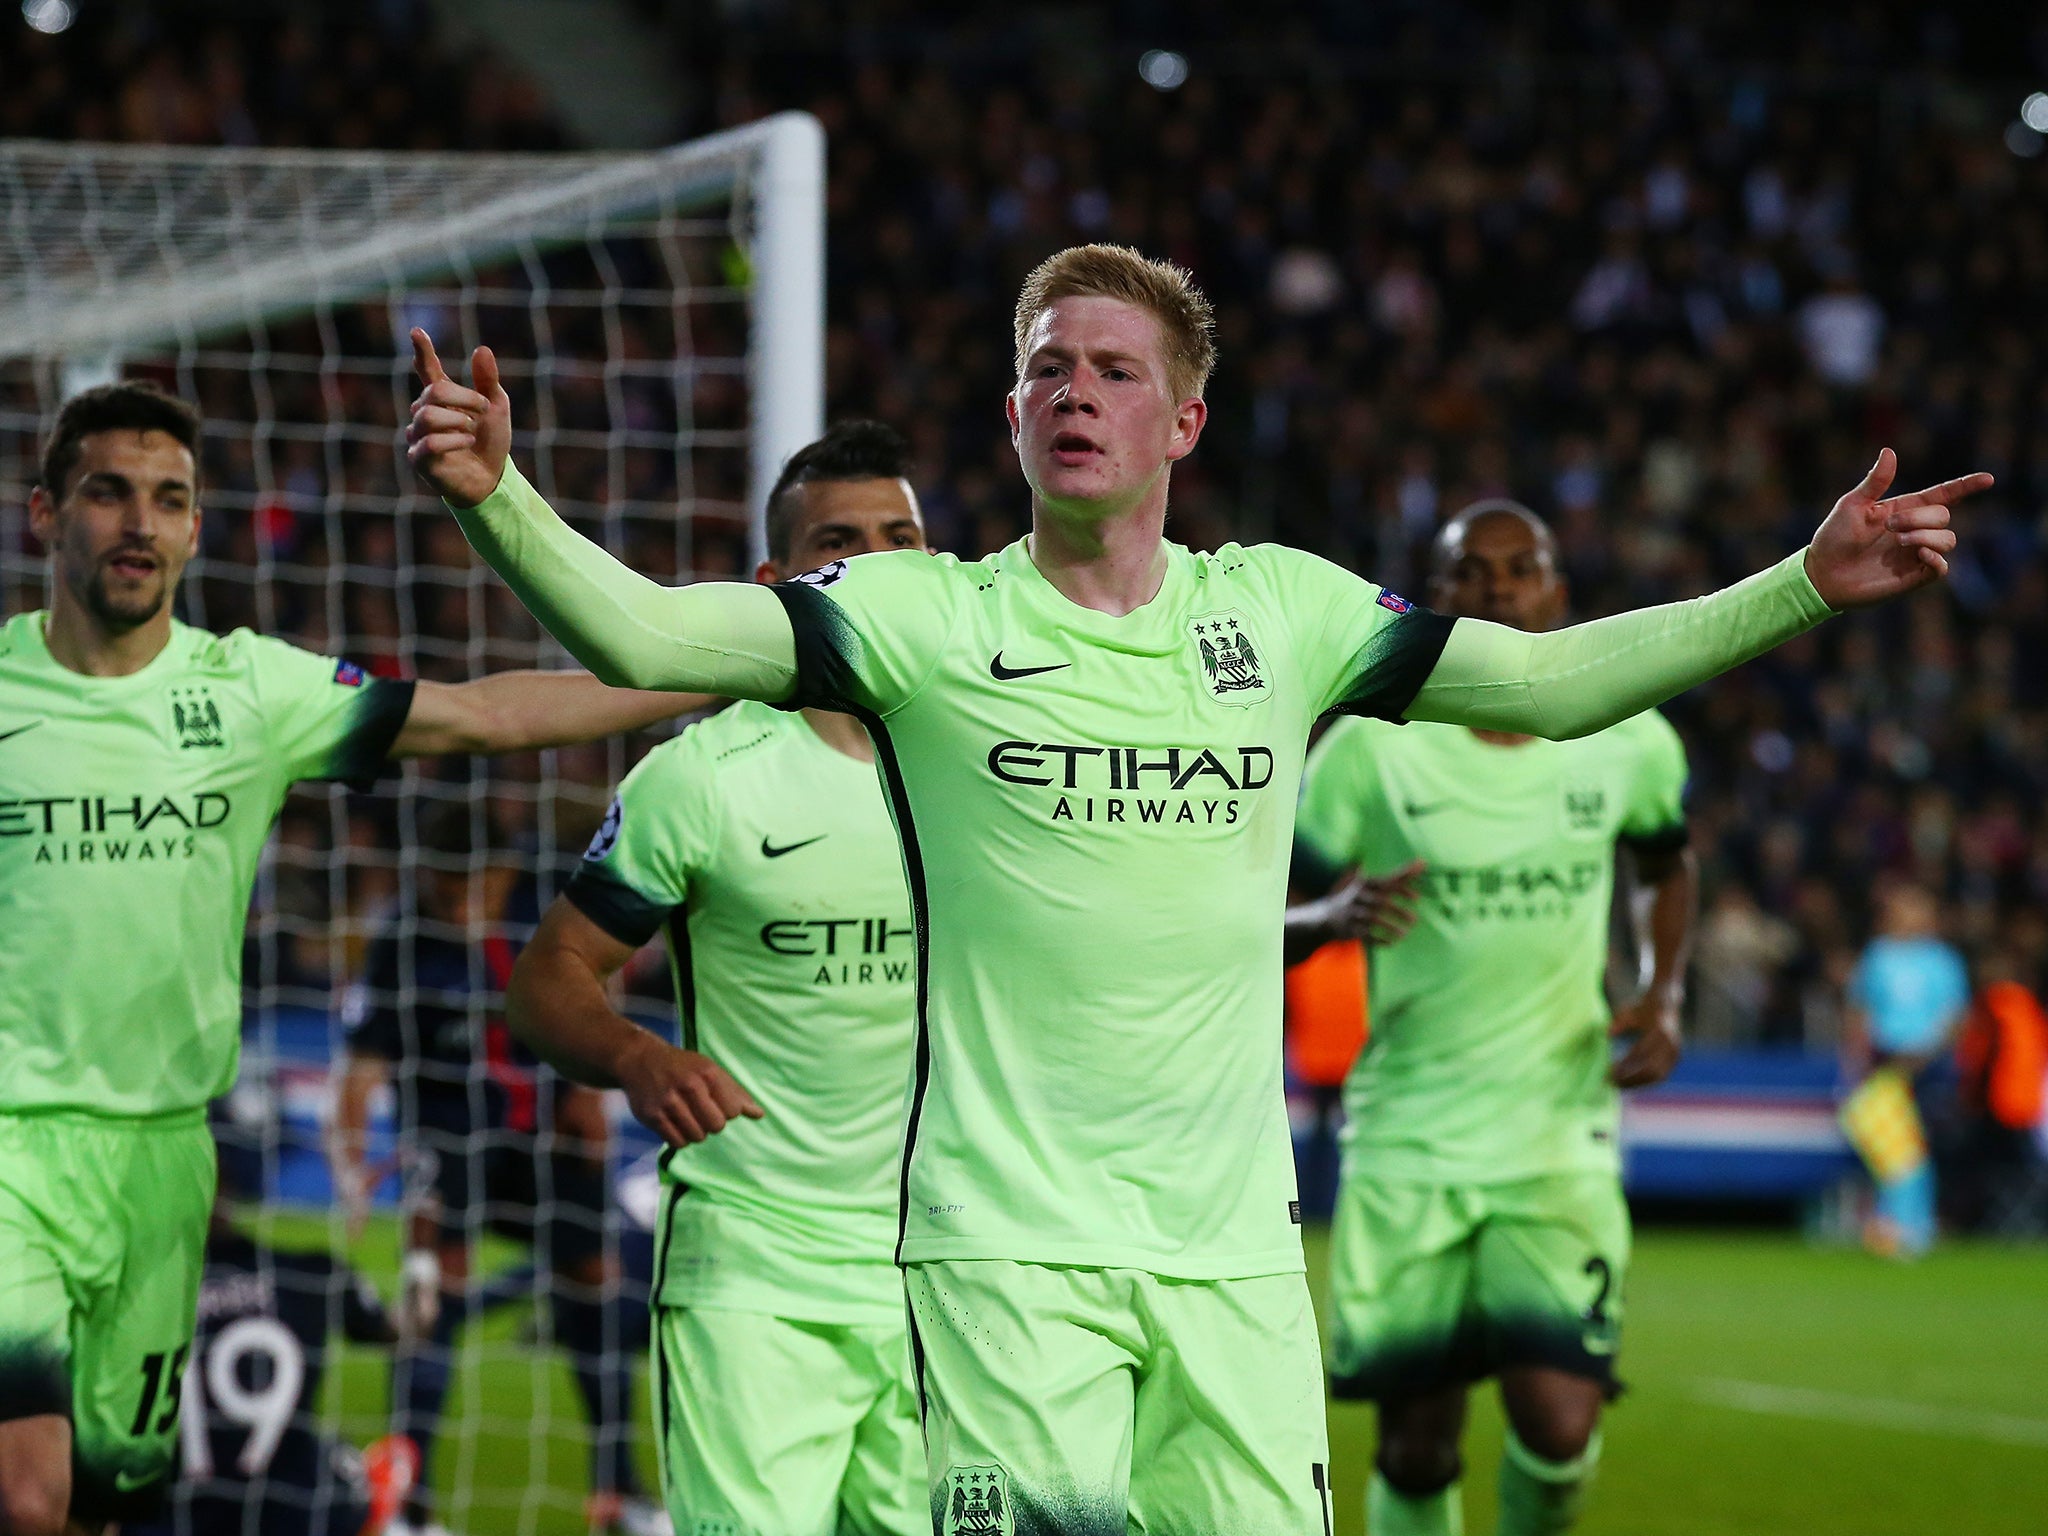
(615, 906)
(913, 875)
(1669, 840)
(365, 754)
(683, 968)
(1391, 667)
(825, 679)
(676, 1191)
(916, 1360)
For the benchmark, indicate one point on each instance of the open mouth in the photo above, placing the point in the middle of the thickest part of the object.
(1071, 448)
(132, 565)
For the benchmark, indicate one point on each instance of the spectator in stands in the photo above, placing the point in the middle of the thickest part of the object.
(1907, 997)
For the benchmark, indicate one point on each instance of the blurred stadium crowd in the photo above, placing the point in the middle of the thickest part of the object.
(1670, 277)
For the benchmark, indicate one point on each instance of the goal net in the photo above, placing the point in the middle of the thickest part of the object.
(659, 323)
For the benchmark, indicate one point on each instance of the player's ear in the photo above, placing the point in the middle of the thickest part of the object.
(42, 515)
(192, 543)
(766, 574)
(1188, 422)
(1016, 420)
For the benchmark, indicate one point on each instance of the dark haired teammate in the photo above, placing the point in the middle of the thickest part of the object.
(1481, 1229)
(1092, 742)
(760, 843)
(142, 763)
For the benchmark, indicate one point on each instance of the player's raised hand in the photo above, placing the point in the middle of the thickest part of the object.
(459, 437)
(681, 1096)
(1871, 548)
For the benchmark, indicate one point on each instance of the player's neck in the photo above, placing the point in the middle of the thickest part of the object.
(1113, 565)
(842, 733)
(1500, 738)
(80, 643)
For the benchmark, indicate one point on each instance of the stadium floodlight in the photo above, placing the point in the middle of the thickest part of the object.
(1163, 69)
(2034, 111)
(660, 322)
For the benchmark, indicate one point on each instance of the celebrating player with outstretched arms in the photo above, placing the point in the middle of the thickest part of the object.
(142, 763)
(1091, 741)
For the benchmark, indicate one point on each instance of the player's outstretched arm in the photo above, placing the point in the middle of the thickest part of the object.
(732, 639)
(556, 1003)
(1572, 682)
(519, 711)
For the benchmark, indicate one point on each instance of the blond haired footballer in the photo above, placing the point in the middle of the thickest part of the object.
(1091, 741)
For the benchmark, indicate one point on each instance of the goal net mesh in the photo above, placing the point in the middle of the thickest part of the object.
(275, 291)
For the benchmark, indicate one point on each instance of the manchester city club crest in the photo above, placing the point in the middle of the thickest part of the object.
(1585, 807)
(977, 1502)
(1232, 667)
(196, 718)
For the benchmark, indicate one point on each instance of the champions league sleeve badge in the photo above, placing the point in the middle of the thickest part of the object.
(607, 837)
(1393, 602)
(823, 576)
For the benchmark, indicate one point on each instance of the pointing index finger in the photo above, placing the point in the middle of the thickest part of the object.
(425, 361)
(1947, 491)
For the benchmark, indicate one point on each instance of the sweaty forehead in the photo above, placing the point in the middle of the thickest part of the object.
(1083, 323)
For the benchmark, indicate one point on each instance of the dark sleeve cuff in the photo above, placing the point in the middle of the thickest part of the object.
(365, 756)
(1667, 840)
(824, 646)
(618, 909)
(1395, 664)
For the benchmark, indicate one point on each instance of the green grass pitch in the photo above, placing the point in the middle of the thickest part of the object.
(1773, 1387)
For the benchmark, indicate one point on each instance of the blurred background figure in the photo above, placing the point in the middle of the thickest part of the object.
(2002, 1065)
(491, 1143)
(1907, 997)
(254, 1458)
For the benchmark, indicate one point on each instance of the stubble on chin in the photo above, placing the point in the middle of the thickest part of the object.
(131, 610)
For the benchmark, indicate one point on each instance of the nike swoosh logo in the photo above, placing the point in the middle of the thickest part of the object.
(19, 729)
(769, 851)
(1003, 674)
(1424, 810)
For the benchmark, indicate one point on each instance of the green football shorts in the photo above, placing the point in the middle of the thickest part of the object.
(1094, 1402)
(1436, 1284)
(774, 1427)
(102, 1238)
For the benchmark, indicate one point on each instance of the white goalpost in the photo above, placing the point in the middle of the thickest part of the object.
(659, 320)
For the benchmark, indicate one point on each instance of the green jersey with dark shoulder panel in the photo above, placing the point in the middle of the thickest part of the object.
(1096, 814)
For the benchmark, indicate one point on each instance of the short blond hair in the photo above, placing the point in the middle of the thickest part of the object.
(1165, 291)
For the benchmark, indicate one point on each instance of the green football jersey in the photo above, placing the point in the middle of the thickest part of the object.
(768, 858)
(1096, 815)
(132, 814)
(1489, 1052)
